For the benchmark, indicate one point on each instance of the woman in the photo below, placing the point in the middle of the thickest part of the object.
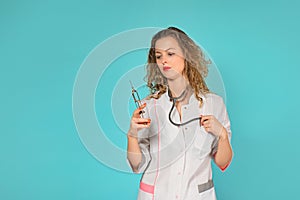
(173, 148)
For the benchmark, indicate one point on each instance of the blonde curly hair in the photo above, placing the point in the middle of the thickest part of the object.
(195, 65)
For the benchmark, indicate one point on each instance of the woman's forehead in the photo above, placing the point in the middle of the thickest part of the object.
(158, 50)
(165, 44)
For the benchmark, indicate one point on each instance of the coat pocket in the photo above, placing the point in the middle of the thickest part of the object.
(146, 191)
(142, 195)
(207, 190)
(202, 144)
(205, 186)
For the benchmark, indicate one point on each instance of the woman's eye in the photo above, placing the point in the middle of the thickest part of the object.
(171, 54)
(157, 57)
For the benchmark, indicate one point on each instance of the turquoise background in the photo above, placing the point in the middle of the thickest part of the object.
(255, 45)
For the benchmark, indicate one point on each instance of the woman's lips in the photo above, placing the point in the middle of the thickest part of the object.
(165, 68)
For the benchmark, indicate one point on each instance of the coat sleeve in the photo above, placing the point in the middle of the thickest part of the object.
(222, 116)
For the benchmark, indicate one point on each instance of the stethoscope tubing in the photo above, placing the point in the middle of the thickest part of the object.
(174, 99)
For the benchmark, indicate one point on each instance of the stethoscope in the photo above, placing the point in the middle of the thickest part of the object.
(137, 101)
(174, 99)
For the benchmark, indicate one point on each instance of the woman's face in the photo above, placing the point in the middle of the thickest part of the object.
(169, 57)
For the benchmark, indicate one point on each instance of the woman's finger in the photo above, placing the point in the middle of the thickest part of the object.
(205, 118)
(138, 111)
(206, 123)
(144, 125)
(141, 120)
(139, 126)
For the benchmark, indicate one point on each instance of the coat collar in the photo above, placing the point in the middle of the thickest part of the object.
(192, 99)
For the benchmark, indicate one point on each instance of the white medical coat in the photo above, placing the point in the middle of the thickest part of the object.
(176, 161)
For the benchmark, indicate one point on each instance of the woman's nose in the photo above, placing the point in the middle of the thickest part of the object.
(163, 60)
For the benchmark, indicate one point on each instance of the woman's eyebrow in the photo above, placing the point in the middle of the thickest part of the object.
(164, 50)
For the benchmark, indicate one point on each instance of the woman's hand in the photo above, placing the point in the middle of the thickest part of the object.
(212, 125)
(137, 123)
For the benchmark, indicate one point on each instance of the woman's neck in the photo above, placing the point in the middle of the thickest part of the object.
(178, 86)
